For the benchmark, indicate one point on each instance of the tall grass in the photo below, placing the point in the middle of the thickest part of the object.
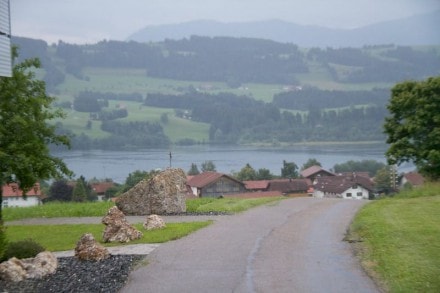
(401, 239)
(58, 209)
(99, 209)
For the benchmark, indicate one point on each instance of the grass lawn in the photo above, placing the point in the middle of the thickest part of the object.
(401, 240)
(65, 237)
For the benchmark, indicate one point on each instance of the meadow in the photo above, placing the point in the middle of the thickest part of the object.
(65, 237)
(129, 80)
(400, 240)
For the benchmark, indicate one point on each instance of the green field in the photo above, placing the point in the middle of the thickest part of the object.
(400, 240)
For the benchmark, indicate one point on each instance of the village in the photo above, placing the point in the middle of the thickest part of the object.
(314, 181)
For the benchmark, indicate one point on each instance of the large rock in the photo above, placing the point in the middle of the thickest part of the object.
(88, 248)
(153, 222)
(117, 228)
(163, 194)
(16, 270)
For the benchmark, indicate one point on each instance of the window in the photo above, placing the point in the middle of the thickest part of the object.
(359, 194)
(348, 194)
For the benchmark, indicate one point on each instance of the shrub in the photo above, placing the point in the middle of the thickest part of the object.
(22, 249)
(3, 242)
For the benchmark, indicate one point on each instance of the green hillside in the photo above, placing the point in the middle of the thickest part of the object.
(161, 92)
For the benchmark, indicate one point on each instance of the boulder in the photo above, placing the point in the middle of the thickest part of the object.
(16, 270)
(153, 222)
(88, 248)
(163, 194)
(117, 228)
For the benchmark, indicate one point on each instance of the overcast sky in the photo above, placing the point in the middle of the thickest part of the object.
(90, 21)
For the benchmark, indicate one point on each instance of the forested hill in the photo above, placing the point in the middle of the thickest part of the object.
(410, 31)
(238, 60)
(223, 90)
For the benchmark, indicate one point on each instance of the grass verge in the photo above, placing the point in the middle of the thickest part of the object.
(65, 237)
(99, 209)
(226, 205)
(58, 210)
(400, 238)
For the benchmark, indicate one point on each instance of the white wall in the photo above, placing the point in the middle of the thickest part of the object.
(19, 201)
(356, 193)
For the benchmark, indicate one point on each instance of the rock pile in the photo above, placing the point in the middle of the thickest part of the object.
(163, 194)
(117, 227)
(153, 222)
(16, 270)
(88, 248)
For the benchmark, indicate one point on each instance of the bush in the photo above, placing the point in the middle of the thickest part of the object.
(3, 242)
(22, 249)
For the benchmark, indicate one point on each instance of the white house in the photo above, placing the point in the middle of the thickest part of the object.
(348, 187)
(13, 196)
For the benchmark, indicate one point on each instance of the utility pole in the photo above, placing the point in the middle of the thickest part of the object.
(171, 156)
(393, 177)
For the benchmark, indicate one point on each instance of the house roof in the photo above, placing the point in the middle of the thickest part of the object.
(203, 179)
(12, 190)
(314, 170)
(102, 187)
(255, 194)
(414, 178)
(256, 184)
(289, 185)
(339, 184)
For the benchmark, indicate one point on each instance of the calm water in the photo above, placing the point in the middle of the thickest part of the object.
(118, 164)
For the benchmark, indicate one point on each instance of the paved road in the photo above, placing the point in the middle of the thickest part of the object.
(293, 246)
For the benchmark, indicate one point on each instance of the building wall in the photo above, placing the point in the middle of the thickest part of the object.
(19, 201)
(221, 187)
(356, 193)
(351, 193)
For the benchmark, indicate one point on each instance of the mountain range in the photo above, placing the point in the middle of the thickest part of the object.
(412, 31)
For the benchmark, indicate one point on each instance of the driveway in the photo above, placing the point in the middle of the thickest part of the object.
(292, 246)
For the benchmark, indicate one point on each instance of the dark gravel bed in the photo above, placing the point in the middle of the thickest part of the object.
(73, 275)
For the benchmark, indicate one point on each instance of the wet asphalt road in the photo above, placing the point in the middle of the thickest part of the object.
(293, 246)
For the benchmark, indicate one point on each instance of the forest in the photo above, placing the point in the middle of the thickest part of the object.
(301, 113)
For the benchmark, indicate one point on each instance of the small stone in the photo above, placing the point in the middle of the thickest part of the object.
(117, 227)
(88, 248)
(153, 222)
(16, 270)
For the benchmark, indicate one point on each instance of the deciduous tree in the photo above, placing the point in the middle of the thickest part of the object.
(25, 134)
(289, 170)
(208, 166)
(311, 162)
(413, 127)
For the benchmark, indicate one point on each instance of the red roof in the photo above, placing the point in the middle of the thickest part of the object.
(314, 170)
(12, 190)
(289, 185)
(206, 178)
(256, 184)
(339, 184)
(102, 187)
(257, 194)
(414, 178)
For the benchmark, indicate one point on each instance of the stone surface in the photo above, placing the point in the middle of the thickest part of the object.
(117, 227)
(16, 270)
(88, 248)
(163, 194)
(153, 222)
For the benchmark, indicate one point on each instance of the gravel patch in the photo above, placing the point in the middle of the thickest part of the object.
(73, 275)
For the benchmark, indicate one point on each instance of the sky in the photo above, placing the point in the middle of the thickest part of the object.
(90, 21)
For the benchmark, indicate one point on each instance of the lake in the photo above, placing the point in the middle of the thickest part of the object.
(227, 159)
